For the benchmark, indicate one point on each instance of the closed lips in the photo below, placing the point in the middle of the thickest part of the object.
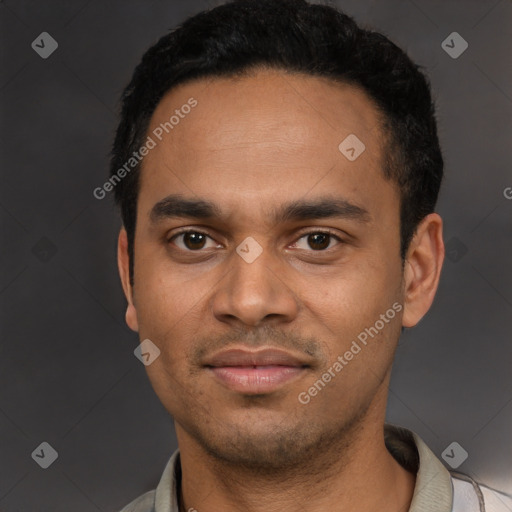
(261, 358)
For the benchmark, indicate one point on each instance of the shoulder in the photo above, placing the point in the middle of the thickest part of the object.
(165, 495)
(144, 503)
(470, 496)
(496, 501)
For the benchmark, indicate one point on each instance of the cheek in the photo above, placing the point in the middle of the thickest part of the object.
(349, 292)
(163, 299)
(349, 303)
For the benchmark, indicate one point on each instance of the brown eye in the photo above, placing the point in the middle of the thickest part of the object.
(319, 241)
(192, 240)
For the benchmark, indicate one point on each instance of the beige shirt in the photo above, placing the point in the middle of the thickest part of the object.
(436, 489)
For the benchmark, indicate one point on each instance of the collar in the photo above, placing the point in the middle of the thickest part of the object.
(433, 491)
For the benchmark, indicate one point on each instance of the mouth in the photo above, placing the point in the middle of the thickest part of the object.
(255, 372)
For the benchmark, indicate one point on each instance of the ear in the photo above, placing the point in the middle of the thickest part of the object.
(423, 264)
(123, 262)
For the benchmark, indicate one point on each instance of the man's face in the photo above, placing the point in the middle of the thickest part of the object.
(253, 147)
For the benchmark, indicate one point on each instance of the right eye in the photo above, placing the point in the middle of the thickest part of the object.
(191, 240)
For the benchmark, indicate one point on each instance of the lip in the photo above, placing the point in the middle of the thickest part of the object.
(262, 357)
(255, 372)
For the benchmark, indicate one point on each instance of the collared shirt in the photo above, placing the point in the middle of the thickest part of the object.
(436, 490)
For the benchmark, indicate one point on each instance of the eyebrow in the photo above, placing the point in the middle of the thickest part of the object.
(176, 206)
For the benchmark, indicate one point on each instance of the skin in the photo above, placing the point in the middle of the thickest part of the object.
(251, 145)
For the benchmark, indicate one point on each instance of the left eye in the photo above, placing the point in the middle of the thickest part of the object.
(318, 241)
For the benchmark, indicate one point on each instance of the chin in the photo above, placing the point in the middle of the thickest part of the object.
(262, 444)
(265, 451)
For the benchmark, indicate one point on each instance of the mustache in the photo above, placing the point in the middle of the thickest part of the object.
(264, 336)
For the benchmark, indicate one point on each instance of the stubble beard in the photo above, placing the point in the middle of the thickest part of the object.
(306, 446)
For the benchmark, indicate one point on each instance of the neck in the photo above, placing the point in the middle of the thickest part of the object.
(356, 473)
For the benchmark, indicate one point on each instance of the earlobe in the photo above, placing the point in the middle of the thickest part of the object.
(123, 263)
(422, 271)
(131, 317)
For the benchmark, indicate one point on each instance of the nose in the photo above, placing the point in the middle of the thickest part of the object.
(255, 292)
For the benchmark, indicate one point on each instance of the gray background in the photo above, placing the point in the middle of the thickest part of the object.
(67, 369)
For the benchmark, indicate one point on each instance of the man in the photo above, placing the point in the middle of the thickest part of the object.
(277, 169)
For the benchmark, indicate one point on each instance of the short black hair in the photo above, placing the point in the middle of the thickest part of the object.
(294, 36)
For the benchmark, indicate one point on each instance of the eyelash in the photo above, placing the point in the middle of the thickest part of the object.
(307, 233)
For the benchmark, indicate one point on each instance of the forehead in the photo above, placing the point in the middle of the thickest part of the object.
(267, 134)
(268, 105)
